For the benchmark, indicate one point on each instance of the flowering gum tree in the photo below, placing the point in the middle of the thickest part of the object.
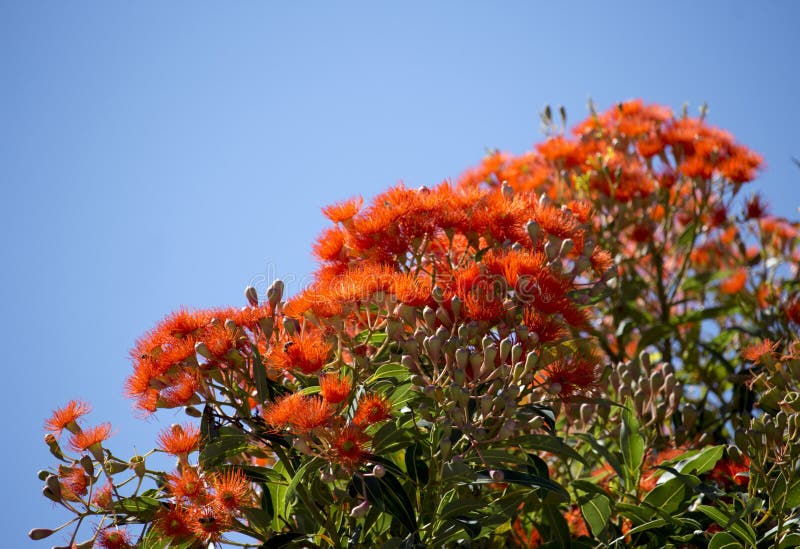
(591, 344)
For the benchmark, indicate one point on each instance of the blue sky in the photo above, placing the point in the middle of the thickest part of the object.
(159, 154)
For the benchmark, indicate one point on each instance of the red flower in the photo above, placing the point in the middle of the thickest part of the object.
(179, 440)
(372, 409)
(67, 417)
(87, 438)
(334, 389)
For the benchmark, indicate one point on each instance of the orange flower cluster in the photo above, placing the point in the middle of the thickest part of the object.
(167, 372)
(204, 506)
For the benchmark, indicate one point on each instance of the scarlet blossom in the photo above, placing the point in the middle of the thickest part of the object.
(412, 290)
(315, 413)
(103, 497)
(209, 522)
(231, 489)
(87, 438)
(114, 538)
(757, 351)
(343, 211)
(173, 522)
(729, 472)
(734, 283)
(67, 417)
(187, 484)
(179, 439)
(334, 389)
(307, 351)
(282, 412)
(74, 481)
(348, 446)
(372, 409)
(568, 377)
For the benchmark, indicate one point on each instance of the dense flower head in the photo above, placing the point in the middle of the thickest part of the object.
(568, 377)
(349, 446)
(334, 388)
(87, 438)
(179, 439)
(372, 409)
(307, 351)
(231, 489)
(114, 538)
(67, 417)
(174, 521)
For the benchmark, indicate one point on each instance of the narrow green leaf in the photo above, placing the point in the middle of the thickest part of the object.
(524, 479)
(597, 511)
(388, 495)
(416, 466)
(392, 370)
(559, 531)
(667, 496)
(724, 540)
(739, 528)
(260, 377)
(702, 462)
(631, 443)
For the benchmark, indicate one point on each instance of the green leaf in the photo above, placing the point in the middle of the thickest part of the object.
(143, 508)
(460, 506)
(229, 442)
(548, 443)
(742, 530)
(524, 479)
(596, 512)
(702, 462)
(392, 370)
(588, 487)
(792, 495)
(416, 467)
(559, 531)
(388, 495)
(309, 467)
(612, 459)
(281, 540)
(724, 540)
(666, 497)
(631, 443)
(260, 377)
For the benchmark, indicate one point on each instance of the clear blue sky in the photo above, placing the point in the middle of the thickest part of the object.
(156, 154)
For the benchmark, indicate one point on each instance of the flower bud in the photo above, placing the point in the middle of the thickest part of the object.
(290, 325)
(534, 231)
(437, 294)
(455, 306)
(496, 475)
(40, 533)
(586, 413)
(202, 349)
(507, 190)
(566, 247)
(429, 316)
(301, 446)
(459, 376)
(88, 465)
(489, 355)
(379, 471)
(462, 357)
(275, 292)
(444, 318)
(52, 443)
(408, 314)
(360, 510)
(550, 250)
(326, 476)
(252, 296)
(505, 349)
